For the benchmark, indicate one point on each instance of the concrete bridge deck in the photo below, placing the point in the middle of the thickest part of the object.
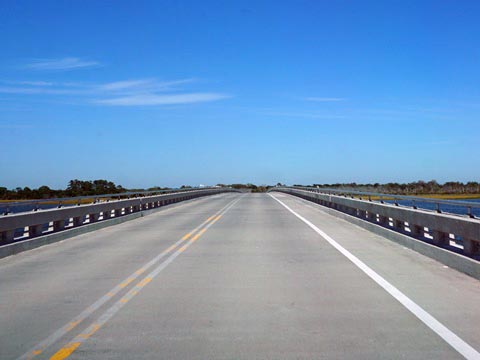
(235, 276)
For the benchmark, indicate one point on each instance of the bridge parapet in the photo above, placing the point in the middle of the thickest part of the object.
(28, 225)
(452, 232)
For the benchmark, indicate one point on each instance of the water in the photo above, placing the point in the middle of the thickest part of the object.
(444, 208)
(18, 208)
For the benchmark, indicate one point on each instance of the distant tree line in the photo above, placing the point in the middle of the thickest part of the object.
(414, 188)
(75, 188)
(247, 187)
(99, 187)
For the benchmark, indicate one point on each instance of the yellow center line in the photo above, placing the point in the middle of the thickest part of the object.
(170, 249)
(73, 324)
(200, 233)
(216, 219)
(187, 236)
(70, 347)
(126, 282)
(144, 282)
(65, 351)
(140, 271)
(92, 331)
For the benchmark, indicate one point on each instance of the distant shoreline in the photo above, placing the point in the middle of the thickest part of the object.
(450, 196)
(376, 197)
(52, 201)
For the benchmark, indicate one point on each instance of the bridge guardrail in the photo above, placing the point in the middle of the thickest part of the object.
(438, 205)
(31, 224)
(431, 226)
(16, 206)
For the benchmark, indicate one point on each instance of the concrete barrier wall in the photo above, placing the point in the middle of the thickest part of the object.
(436, 228)
(28, 225)
(53, 237)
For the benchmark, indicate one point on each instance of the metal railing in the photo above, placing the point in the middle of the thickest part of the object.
(19, 206)
(452, 231)
(29, 224)
(470, 209)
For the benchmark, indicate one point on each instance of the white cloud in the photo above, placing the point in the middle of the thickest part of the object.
(154, 99)
(126, 84)
(146, 85)
(133, 92)
(125, 87)
(68, 63)
(323, 99)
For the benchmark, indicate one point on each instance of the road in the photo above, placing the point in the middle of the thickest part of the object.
(235, 276)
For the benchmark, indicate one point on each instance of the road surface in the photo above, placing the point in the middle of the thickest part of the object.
(235, 276)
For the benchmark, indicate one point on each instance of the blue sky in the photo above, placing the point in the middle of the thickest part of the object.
(167, 93)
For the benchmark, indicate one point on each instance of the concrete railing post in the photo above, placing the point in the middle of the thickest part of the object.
(106, 215)
(417, 231)
(471, 247)
(383, 220)
(7, 236)
(93, 218)
(77, 221)
(58, 225)
(35, 230)
(399, 224)
(440, 238)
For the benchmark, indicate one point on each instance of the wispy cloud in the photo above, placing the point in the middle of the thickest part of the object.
(153, 99)
(68, 63)
(133, 92)
(324, 99)
(126, 84)
(146, 85)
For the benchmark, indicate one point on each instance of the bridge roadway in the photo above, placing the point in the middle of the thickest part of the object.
(250, 280)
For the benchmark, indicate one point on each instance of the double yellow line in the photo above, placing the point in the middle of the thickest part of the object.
(199, 233)
(173, 251)
(66, 350)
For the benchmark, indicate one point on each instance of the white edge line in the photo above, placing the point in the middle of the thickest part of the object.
(441, 330)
